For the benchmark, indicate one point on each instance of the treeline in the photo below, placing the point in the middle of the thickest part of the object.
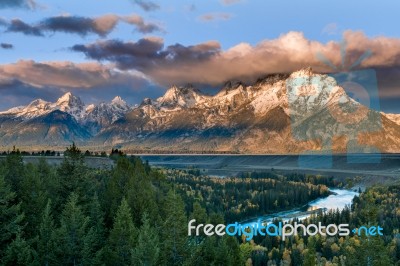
(26, 153)
(239, 199)
(114, 153)
(137, 151)
(328, 181)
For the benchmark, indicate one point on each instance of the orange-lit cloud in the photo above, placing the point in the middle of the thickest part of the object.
(207, 63)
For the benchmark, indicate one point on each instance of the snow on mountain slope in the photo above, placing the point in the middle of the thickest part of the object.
(185, 97)
(99, 116)
(34, 109)
(262, 97)
(74, 106)
(67, 103)
(394, 117)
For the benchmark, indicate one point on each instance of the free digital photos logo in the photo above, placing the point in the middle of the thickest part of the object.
(250, 230)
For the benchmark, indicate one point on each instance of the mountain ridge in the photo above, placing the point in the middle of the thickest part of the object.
(258, 118)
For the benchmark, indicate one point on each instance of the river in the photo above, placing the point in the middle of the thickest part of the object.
(338, 200)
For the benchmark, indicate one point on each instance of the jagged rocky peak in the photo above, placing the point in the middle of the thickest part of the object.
(271, 79)
(304, 72)
(118, 100)
(67, 97)
(232, 85)
(119, 103)
(36, 107)
(71, 104)
(116, 104)
(68, 100)
(38, 103)
(90, 108)
(394, 117)
(174, 92)
(104, 114)
(146, 101)
(176, 96)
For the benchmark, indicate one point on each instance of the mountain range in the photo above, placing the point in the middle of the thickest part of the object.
(264, 117)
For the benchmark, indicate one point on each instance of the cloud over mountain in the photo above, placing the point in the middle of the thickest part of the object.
(59, 74)
(147, 52)
(207, 63)
(150, 59)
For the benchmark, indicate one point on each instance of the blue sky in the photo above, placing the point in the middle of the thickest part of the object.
(251, 21)
(187, 23)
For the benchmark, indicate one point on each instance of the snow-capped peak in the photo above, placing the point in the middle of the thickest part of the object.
(104, 114)
(89, 108)
(171, 96)
(38, 103)
(146, 101)
(69, 100)
(305, 72)
(96, 116)
(118, 100)
(71, 104)
(66, 97)
(120, 103)
(35, 108)
(394, 117)
(180, 97)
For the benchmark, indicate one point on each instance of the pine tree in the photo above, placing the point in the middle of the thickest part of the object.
(10, 216)
(34, 198)
(234, 252)
(45, 241)
(14, 168)
(73, 174)
(96, 221)
(141, 196)
(222, 254)
(174, 231)
(245, 250)
(72, 232)
(147, 250)
(117, 187)
(199, 213)
(18, 253)
(310, 256)
(92, 252)
(122, 238)
(367, 250)
(74, 154)
(205, 253)
(52, 185)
